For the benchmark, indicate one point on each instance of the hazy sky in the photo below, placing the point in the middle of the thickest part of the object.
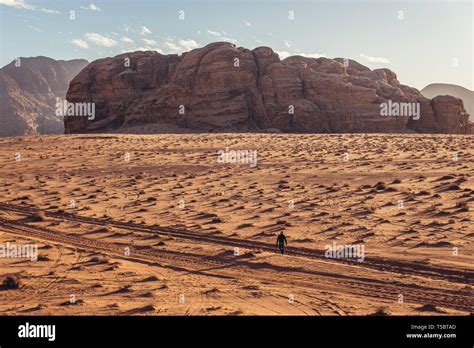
(422, 41)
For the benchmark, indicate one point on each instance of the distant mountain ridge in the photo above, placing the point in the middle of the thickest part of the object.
(324, 95)
(467, 96)
(28, 91)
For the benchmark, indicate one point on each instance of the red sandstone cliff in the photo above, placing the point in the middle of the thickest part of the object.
(224, 88)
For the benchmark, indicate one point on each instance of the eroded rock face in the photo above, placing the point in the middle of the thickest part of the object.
(435, 89)
(28, 91)
(224, 88)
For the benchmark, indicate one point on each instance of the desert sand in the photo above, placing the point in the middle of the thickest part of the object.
(154, 225)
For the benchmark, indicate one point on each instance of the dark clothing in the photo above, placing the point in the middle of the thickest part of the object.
(281, 241)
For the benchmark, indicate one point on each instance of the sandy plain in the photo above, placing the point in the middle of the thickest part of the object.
(155, 225)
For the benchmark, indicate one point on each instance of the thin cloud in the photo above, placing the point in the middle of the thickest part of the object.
(143, 48)
(172, 47)
(127, 28)
(286, 54)
(35, 28)
(100, 40)
(22, 5)
(188, 44)
(374, 59)
(313, 55)
(127, 40)
(149, 42)
(221, 37)
(80, 43)
(283, 54)
(17, 4)
(91, 7)
(145, 31)
(260, 42)
(228, 39)
(178, 46)
(46, 10)
(214, 33)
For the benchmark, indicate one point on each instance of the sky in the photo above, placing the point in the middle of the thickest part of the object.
(423, 41)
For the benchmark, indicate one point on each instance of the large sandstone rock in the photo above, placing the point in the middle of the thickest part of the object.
(467, 96)
(224, 88)
(28, 93)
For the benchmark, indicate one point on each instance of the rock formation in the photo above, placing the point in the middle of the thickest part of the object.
(224, 88)
(28, 91)
(466, 95)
